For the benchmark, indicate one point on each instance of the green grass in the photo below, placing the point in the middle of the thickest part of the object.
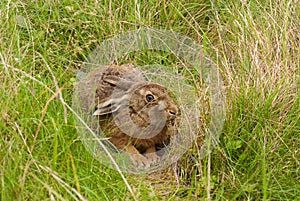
(255, 45)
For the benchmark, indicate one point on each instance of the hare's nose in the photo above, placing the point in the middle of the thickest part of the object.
(172, 113)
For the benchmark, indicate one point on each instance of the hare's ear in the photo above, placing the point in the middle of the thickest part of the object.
(119, 82)
(106, 108)
(111, 105)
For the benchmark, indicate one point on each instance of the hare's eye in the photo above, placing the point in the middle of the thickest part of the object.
(149, 97)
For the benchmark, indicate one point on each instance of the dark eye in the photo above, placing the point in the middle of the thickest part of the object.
(149, 97)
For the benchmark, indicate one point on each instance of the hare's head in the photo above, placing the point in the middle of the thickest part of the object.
(138, 105)
(139, 100)
(149, 96)
(143, 111)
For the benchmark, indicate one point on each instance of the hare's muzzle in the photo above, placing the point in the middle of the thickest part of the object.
(172, 113)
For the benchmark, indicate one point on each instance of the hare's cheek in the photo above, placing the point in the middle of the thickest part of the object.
(139, 104)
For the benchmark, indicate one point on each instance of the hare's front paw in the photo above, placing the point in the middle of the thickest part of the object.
(153, 158)
(140, 161)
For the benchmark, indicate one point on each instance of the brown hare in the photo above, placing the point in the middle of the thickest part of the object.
(137, 116)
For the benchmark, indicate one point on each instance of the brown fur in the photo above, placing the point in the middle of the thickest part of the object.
(106, 81)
